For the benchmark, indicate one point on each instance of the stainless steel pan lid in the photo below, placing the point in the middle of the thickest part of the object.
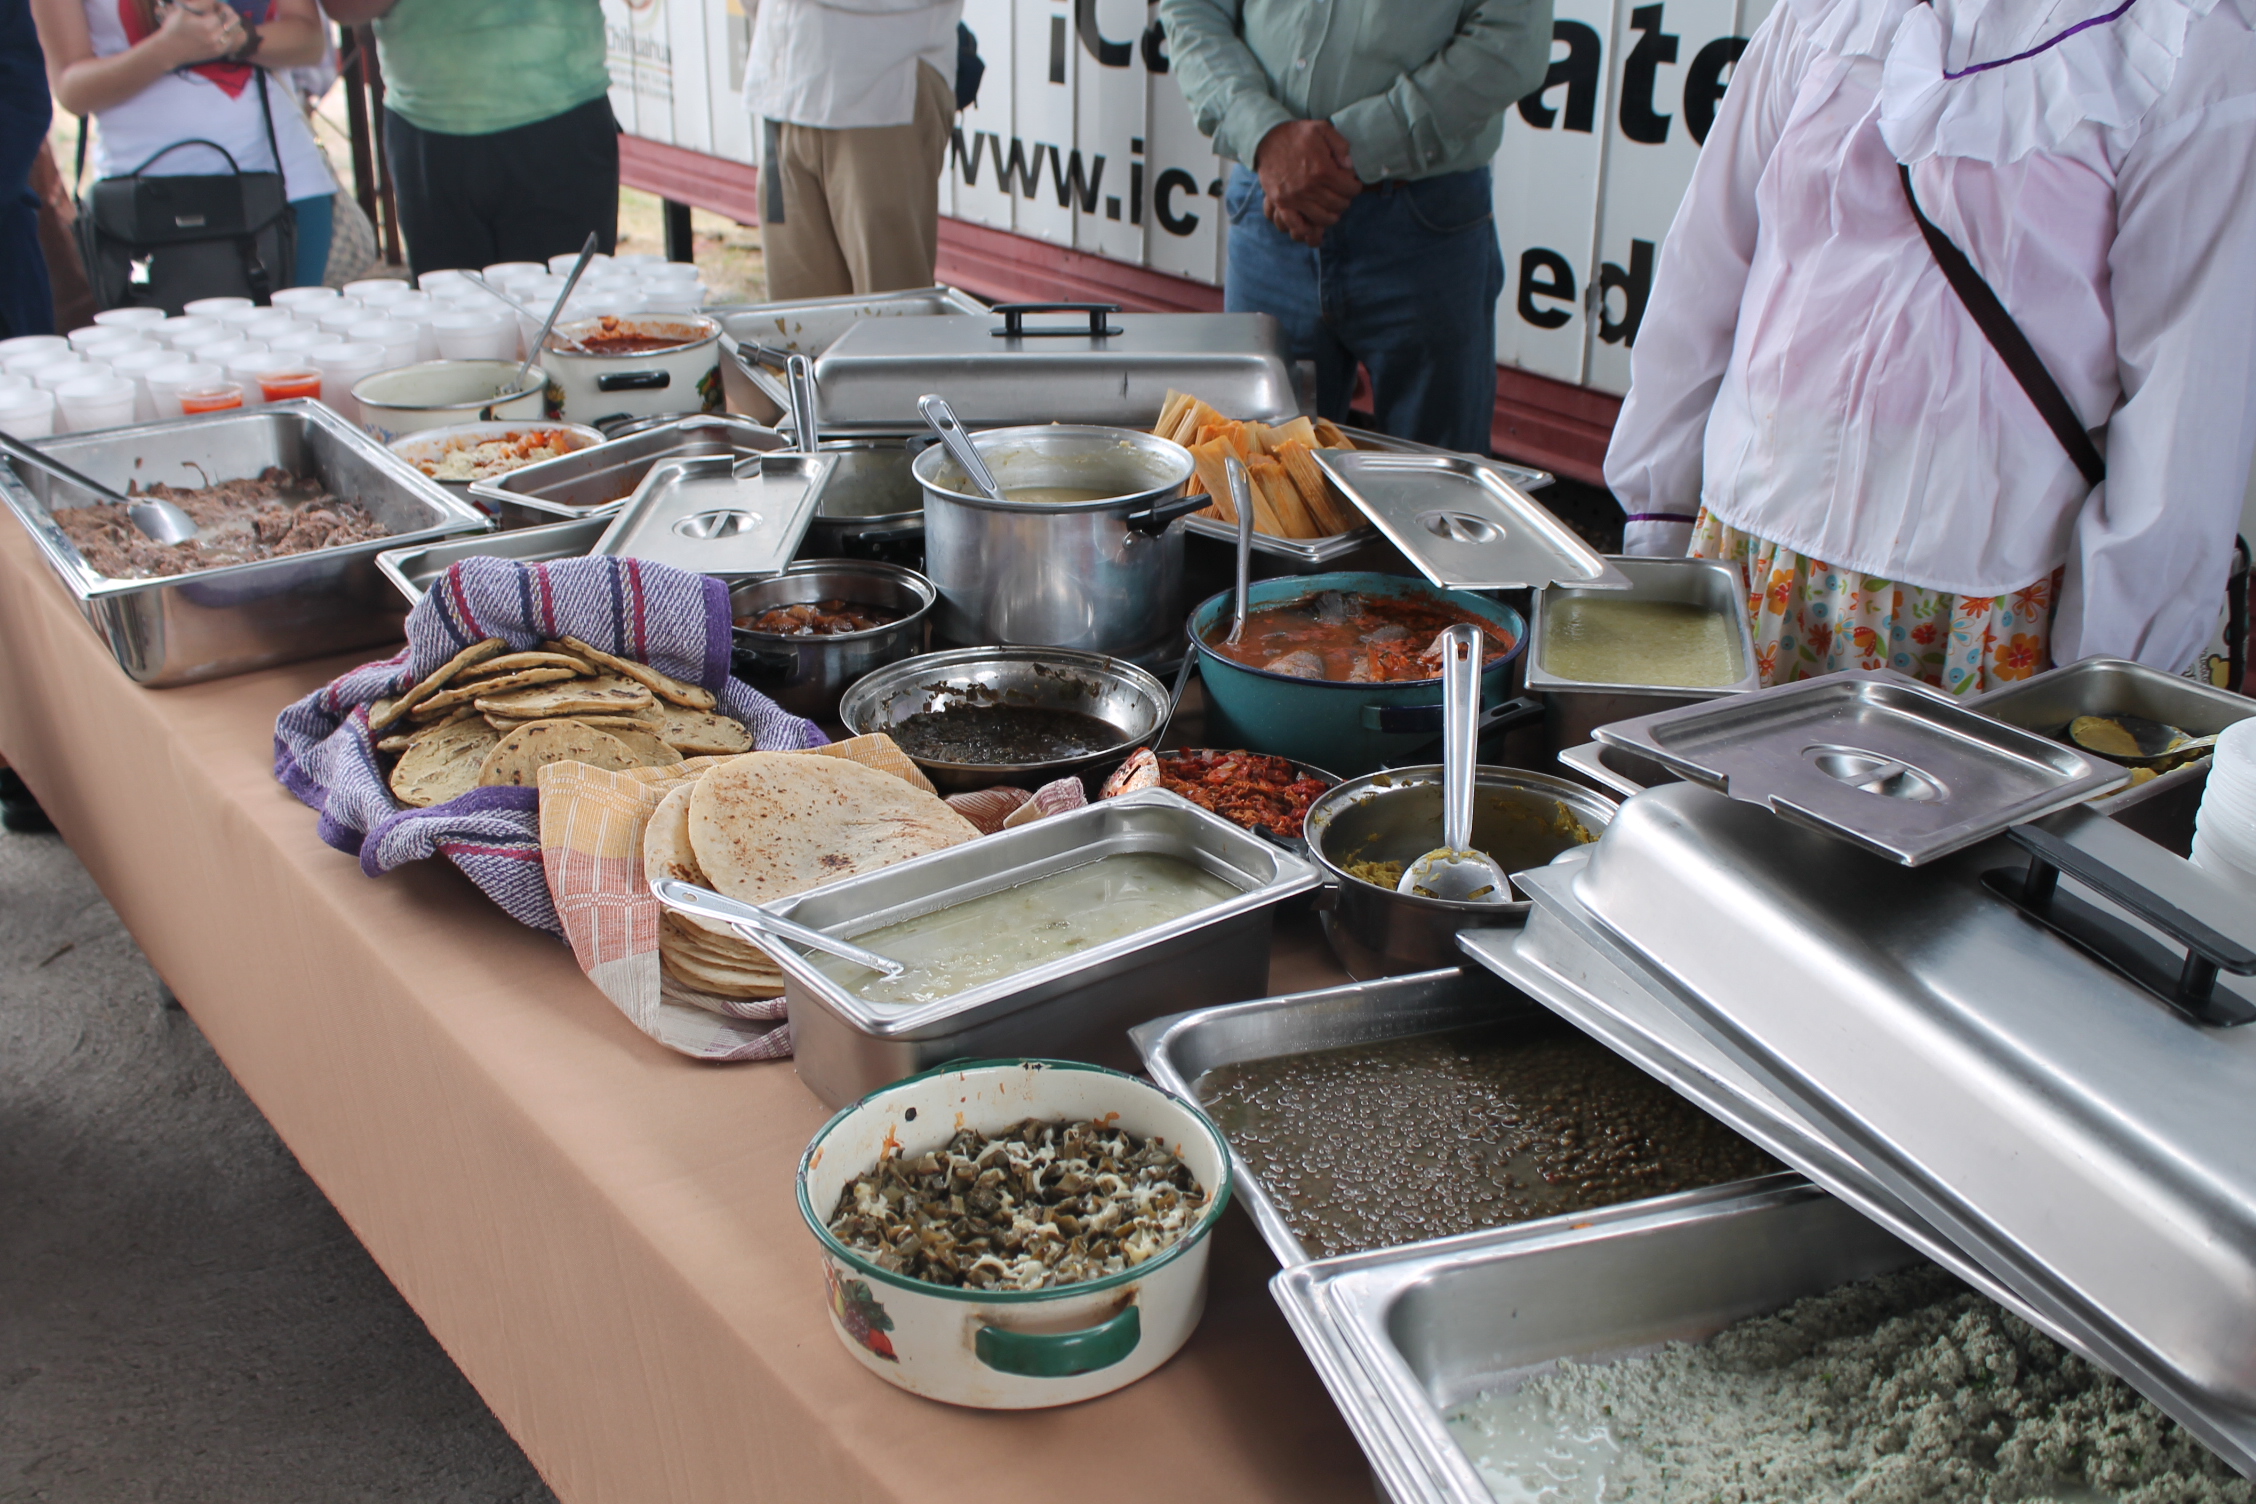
(1880, 759)
(716, 514)
(1464, 524)
(2089, 1146)
(1075, 363)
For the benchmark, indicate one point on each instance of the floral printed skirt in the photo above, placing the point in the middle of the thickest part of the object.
(1810, 618)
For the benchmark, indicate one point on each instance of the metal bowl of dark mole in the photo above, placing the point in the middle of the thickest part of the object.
(1365, 831)
(976, 717)
(802, 636)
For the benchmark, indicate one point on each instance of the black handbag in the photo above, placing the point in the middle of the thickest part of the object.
(161, 242)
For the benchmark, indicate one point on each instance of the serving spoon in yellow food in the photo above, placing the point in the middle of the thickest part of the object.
(1454, 871)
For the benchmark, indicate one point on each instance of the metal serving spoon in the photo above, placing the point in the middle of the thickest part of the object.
(1241, 497)
(757, 922)
(532, 351)
(943, 420)
(159, 519)
(492, 291)
(799, 384)
(1454, 870)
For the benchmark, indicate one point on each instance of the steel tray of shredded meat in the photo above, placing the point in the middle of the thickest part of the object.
(284, 570)
(237, 522)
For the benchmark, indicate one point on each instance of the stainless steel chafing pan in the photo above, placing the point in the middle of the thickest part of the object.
(1078, 1007)
(184, 628)
(412, 570)
(597, 480)
(1403, 1336)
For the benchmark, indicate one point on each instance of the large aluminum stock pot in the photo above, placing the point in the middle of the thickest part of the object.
(1102, 575)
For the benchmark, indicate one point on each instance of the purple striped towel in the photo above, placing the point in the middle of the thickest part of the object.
(678, 623)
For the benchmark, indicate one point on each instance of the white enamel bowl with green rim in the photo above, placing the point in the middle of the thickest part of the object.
(1011, 1349)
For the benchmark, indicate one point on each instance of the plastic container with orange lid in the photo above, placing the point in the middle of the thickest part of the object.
(219, 397)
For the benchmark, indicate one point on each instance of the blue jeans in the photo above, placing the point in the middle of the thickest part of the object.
(1405, 284)
(316, 224)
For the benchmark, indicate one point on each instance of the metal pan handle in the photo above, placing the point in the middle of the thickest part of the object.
(1160, 515)
(634, 381)
(1014, 320)
(1404, 720)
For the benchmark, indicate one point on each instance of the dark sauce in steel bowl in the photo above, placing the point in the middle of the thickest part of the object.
(998, 736)
(1377, 1145)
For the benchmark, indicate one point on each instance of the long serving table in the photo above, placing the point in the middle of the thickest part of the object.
(602, 1234)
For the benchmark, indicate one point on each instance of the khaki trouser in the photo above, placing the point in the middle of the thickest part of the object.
(861, 208)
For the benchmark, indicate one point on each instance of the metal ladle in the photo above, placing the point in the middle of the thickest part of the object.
(492, 291)
(1454, 871)
(1241, 497)
(745, 917)
(532, 351)
(952, 433)
(159, 519)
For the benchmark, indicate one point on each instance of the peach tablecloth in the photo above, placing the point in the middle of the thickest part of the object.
(600, 1232)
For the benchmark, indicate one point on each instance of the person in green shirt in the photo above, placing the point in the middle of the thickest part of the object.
(1359, 209)
(497, 126)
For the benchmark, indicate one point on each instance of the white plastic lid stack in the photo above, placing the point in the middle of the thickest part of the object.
(30, 344)
(341, 366)
(27, 362)
(93, 336)
(247, 369)
(63, 373)
(639, 259)
(95, 402)
(437, 282)
(135, 367)
(166, 383)
(212, 308)
(301, 339)
(375, 290)
(236, 318)
(131, 318)
(170, 331)
(476, 334)
(192, 341)
(340, 316)
(561, 266)
(111, 349)
(2224, 829)
(511, 271)
(10, 382)
(269, 323)
(299, 300)
(27, 414)
(398, 339)
(221, 352)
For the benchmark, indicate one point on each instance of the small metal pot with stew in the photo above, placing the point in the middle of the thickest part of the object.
(1084, 551)
(634, 366)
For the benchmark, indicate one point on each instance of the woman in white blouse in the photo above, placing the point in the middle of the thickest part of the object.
(1812, 397)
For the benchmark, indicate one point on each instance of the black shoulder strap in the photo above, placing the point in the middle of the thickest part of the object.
(2011, 344)
(266, 109)
(78, 174)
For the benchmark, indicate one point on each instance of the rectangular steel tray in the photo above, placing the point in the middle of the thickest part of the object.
(1182, 1049)
(769, 333)
(1075, 1008)
(871, 376)
(2091, 1147)
(1878, 759)
(596, 481)
(411, 570)
(1314, 555)
(1463, 524)
(1707, 583)
(716, 514)
(1402, 1336)
(186, 628)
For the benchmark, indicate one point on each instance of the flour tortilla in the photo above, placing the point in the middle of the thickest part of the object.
(477, 652)
(664, 686)
(678, 935)
(442, 764)
(666, 852)
(510, 663)
(701, 733)
(518, 757)
(471, 689)
(721, 981)
(604, 695)
(770, 824)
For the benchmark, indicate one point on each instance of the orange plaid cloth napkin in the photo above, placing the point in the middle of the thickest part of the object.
(591, 825)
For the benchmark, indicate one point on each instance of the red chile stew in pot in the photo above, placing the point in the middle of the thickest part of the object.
(611, 339)
(1350, 637)
(818, 619)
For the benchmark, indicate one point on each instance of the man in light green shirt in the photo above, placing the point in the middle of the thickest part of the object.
(497, 126)
(1360, 211)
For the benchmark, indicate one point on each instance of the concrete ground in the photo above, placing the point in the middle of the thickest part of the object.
(183, 1317)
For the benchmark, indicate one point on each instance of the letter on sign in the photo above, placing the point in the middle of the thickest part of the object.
(1545, 274)
(1655, 47)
